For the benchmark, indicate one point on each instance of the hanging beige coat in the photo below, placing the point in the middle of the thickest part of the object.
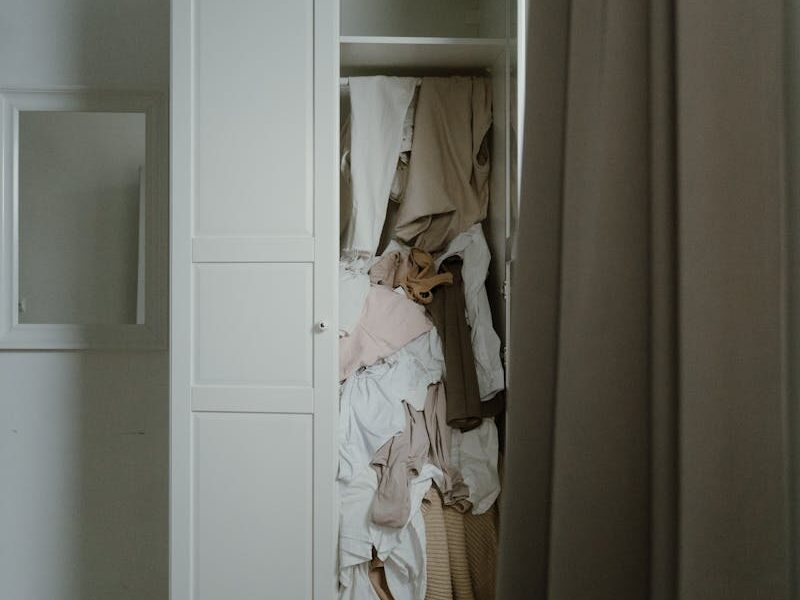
(448, 178)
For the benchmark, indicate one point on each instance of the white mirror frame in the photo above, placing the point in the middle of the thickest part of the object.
(152, 334)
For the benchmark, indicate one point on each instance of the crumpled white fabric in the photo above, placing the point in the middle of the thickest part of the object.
(355, 584)
(370, 413)
(371, 400)
(419, 364)
(378, 110)
(406, 567)
(402, 550)
(475, 454)
(471, 246)
(353, 290)
(405, 570)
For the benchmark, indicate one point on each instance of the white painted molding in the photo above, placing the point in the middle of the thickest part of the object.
(253, 399)
(152, 334)
(252, 249)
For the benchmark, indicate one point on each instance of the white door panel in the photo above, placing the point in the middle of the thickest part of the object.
(254, 269)
(252, 497)
(253, 122)
(253, 324)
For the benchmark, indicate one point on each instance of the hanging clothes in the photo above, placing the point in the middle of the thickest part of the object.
(461, 382)
(356, 583)
(447, 189)
(475, 454)
(402, 550)
(387, 322)
(471, 246)
(370, 413)
(480, 535)
(345, 183)
(446, 551)
(461, 551)
(413, 271)
(425, 439)
(453, 489)
(405, 568)
(371, 400)
(395, 436)
(396, 463)
(401, 174)
(353, 290)
(378, 112)
(377, 577)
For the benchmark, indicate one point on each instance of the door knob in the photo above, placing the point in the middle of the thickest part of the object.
(323, 325)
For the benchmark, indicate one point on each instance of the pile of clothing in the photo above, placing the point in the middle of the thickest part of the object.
(420, 369)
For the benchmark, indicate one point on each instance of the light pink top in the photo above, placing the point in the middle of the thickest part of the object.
(388, 322)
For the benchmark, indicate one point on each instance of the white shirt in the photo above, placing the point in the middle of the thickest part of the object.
(475, 453)
(402, 550)
(371, 404)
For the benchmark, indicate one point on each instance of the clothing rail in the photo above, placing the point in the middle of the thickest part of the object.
(345, 81)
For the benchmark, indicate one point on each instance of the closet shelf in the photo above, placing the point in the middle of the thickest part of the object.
(364, 54)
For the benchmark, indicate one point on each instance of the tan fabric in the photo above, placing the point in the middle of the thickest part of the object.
(426, 438)
(480, 534)
(454, 491)
(415, 273)
(457, 548)
(448, 180)
(377, 577)
(461, 551)
(448, 311)
(646, 360)
(387, 271)
(397, 462)
(438, 557)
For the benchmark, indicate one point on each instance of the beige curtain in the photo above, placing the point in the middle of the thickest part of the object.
(647, 435)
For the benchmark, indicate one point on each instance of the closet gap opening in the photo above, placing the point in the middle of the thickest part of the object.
(424, 196)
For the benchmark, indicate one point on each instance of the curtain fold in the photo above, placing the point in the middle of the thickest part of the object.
(646, 436)
(792, 160)
(733, 477)
(664, 365)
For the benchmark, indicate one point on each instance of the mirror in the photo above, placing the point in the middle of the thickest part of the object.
(81, 217)
(84, 218)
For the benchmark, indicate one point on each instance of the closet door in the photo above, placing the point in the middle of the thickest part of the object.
(253, 299)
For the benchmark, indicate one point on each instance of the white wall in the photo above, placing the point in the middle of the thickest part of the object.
(410, 17)
(84, 435)
(83, 466)
(105, 43)
(424, 18)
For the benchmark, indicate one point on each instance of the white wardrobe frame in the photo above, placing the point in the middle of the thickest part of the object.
(319, 248)
(192, 401)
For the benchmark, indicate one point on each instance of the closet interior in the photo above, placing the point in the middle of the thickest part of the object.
(426, 184)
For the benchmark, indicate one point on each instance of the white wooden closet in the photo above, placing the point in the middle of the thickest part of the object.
(254, 179)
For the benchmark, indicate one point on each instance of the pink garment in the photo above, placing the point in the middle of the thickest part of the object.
(426, 438)
(397, 462)
(388, 322)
